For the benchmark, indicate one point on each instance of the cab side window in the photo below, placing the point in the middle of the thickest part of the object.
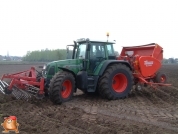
(81, 51)
(111, 53)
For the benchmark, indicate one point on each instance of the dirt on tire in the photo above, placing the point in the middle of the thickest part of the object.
(142, 112)
(65, 80)
(109, 86)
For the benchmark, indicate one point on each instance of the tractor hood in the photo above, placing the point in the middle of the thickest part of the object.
(71, 64)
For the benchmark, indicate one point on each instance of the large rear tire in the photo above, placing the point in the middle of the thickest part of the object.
(116, 82)
(61, 87)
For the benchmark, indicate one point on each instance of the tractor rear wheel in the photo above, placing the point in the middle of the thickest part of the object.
(61, 87)
(116, 82)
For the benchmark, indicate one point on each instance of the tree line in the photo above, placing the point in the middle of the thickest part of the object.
(170, 60)
(45, 55)
(49, 55)
(60, 54)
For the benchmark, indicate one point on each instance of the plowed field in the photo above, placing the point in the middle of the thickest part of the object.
(144, 112)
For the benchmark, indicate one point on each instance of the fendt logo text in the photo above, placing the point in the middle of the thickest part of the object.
(148, 63)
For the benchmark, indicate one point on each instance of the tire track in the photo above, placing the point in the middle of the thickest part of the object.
(172, 92)
(166, 113)
(114, 109)
(90, 107)
(144, 108)
(174, 88)
(137, 119)
(168, 95)
(49, 117)
(139, 112)
(155, 96)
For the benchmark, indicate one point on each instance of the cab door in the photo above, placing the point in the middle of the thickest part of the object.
(96, 56)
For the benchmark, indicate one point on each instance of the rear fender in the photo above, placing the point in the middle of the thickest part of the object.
(67, 70)
(109, 62)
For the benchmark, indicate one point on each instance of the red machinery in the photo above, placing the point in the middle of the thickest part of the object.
(146, 62)
(23, 84)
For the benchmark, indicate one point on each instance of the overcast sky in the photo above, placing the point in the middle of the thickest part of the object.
(27, 25)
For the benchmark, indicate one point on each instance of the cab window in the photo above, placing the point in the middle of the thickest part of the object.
(110, 50)
(81, 51)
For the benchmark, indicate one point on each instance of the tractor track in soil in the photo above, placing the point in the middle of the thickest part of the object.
(145, 111)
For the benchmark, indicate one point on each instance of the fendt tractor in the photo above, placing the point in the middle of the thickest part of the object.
(92, 68)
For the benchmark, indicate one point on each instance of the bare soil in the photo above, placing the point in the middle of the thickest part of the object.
(143, 112)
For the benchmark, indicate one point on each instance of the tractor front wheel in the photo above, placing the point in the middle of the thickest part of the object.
(61, 87)
(116, 82)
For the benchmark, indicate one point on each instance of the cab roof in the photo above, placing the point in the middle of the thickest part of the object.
(81, 40)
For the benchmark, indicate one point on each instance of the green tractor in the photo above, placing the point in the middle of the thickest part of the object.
(92, 68)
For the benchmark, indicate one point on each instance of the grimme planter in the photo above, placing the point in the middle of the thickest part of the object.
(146, 62)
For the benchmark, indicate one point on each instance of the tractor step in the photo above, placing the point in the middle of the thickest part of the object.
(92, 83)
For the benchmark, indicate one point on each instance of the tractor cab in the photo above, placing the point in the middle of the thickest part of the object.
(92, 53)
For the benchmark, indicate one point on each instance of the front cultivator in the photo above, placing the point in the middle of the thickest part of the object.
(23, 85)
